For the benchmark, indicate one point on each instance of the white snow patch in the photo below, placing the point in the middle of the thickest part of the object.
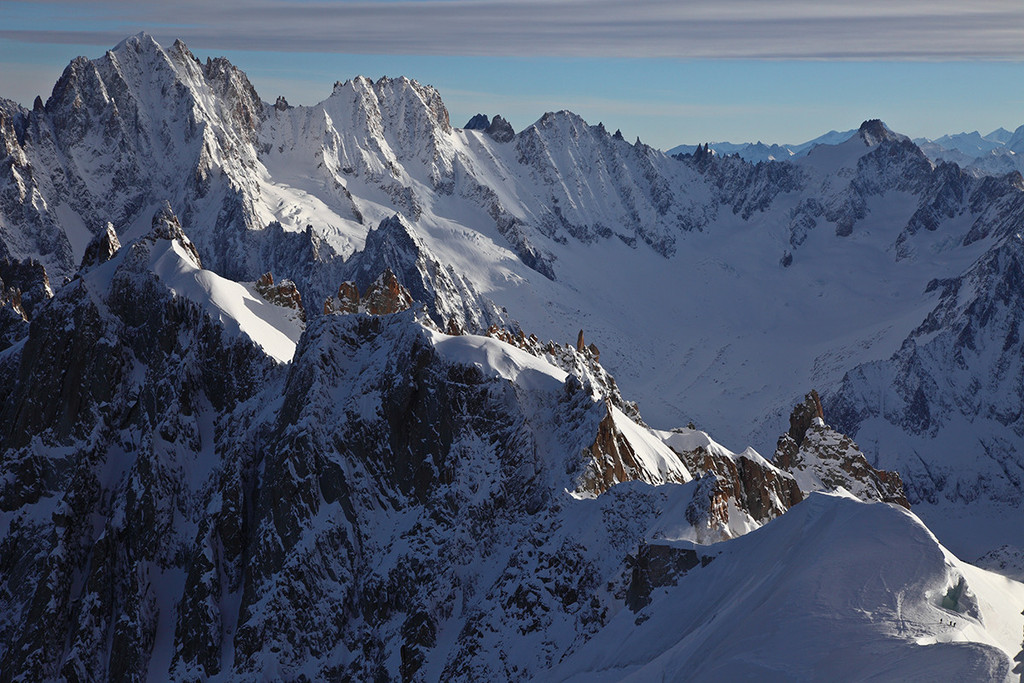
(74, 229)
(237, 306)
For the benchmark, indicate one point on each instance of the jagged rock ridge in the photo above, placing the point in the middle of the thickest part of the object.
(395, 465)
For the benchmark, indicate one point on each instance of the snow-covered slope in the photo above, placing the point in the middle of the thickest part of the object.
(395, 503)
(890, 603)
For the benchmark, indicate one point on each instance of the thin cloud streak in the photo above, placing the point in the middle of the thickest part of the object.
(698, 29)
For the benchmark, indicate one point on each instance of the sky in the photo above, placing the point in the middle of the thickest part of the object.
(666, 71)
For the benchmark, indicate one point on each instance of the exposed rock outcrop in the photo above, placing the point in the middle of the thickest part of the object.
(346, 301)
(394, 244)
(284, 293)
(386, 296)
(823, 459)
(478, 122)
(763, 491)
(26, 281)
(656, 565)
(611, 460)
(13, 321)
(102, 247)
(500, 130)
(383, 296)
(736, 491)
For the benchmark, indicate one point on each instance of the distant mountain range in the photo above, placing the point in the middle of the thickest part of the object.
(759, 151)
(997, 153)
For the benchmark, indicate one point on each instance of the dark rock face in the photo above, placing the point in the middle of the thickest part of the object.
(25, 281)
(802, 417)
(123, 387)
(410, 455)
(162, 419)
(656, 565)
(478, 122)
(13, 321)
(500, 130)
(102, 248)
(874, 132)
(447, 295)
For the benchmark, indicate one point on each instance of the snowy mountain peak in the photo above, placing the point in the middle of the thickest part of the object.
(139, 42)
(874, 132)
(401, 96)
(196, 483)
(500, 130)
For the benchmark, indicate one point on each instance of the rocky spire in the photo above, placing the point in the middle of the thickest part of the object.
(285, 293)
(803, 415)
(386, 295)
(102, 247)
(500, 130)
(453, 328)
(166, 226)
(347, 300)
(874, 132)
(823, 459)
(383, 296)
(478, 122)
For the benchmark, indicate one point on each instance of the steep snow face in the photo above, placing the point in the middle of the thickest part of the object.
(883, 585)
(238, 307)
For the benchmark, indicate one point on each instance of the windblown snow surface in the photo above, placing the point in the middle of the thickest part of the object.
(832, 587)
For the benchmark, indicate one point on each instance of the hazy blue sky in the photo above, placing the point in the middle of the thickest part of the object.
(668, 71)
